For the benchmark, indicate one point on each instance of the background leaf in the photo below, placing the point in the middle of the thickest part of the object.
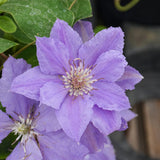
(81, 9)
(36, 17)
(6, 44)
(6, 146)
(2, 108)
(2, 1)
(29, 55)
(7, 24)
(99, 28)
(20, 36)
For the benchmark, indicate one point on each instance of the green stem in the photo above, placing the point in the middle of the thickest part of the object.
(72, 4)
(1, 67)
(19, 51)
(3, 56)
(126, 7)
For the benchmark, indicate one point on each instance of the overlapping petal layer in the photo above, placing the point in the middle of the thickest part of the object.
(62, 32)
(32, 151)
(130, 78)
(106, 121)
(53, 94)
(53, 56)
(110, 66)
(75, 115)
(84, 28)
(30, 82)
(110, 96)
(107, 39)
(57, 146)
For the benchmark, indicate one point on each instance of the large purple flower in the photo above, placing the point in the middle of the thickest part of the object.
(79, 78)
(32, 123)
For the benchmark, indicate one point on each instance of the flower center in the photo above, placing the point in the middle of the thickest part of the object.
(23, 128)
(79, 80)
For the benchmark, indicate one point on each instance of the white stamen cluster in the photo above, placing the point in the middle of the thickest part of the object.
(24, 128)
(79, 80)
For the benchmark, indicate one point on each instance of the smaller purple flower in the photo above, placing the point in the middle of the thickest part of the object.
(83, 77)
(37, 138)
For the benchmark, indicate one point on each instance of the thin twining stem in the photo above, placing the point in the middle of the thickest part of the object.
(19, 51)
(125, 8)
(72, 4)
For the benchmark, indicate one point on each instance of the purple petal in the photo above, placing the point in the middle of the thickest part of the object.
(3, 134)
(105, 40)
(128, 115)
(85, 30)
(110, 96)
(53, 94)
(17, 153)
(107, 153)
(53, 56)
(57, 146)
(106, 121)
(92, 139)
(32, 151)
(14, 67)
(124, 125)
(110, 66)
(5, 125)
(61, 31)
(13, 102)
(30, 82)
(46, 120)
(130, 78)
(74, 116)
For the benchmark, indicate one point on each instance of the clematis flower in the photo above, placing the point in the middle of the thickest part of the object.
(79, 78)
(37, 138)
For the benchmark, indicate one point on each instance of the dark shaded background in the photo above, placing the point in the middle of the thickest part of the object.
(141, 25)
(145, 12)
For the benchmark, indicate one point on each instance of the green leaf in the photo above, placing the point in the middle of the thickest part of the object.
(81, 8)
(29, 55)
(2, 108)
(21, 37)
(36, 17)
(2, 1)
(7, 24)
(6, 146)
(6, 44)
(99, 28)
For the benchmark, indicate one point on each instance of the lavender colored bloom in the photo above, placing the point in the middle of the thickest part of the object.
(32, 123)
(82, 80)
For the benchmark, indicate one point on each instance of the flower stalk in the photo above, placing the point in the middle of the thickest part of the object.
(19, 51)
(125, 8)
(72, 4)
